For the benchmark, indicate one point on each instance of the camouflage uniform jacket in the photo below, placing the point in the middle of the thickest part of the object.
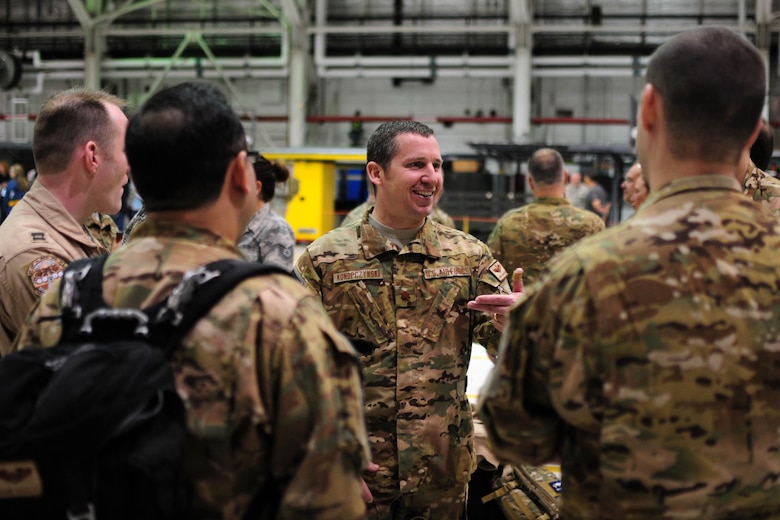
(762, 187)
(139, 217)
(648, 359)
(269, 239)
(529, 236)
(270, 387)
(37, 240)
(410, 305)
(104, 229)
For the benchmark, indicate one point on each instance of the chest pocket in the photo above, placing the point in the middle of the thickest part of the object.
(367, 308)
(448, 290)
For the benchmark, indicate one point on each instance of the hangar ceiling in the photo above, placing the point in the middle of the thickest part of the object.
(236, 28)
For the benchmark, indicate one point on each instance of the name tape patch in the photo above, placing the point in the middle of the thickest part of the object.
(363, 274)
(446, 272)
(20, 479)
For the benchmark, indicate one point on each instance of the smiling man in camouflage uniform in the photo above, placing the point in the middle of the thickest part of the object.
(272, 390)
(398, 284)
(530, 235)
(648, 358)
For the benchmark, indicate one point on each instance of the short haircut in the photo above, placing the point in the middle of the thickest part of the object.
(179, 146)
(711, 81)
(382, 146)
(269, 173)
(546, 167)
(69, 119)
(763, 146)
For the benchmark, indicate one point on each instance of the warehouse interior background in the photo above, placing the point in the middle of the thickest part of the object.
(312, 79)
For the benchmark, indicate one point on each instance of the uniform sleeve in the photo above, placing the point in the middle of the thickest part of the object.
(40, 328)
(20, 292)
(307, 273)
(493, 279)
(540, 381)
(318, 400)
(278, 246)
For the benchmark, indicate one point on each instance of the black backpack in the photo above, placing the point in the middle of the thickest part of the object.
(93, 427)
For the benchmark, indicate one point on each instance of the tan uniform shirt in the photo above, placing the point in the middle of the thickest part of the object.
(37, 240)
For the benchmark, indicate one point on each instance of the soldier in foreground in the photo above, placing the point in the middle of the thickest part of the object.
(398, 284)
(530, 235)
(272, 390)
(647, 358)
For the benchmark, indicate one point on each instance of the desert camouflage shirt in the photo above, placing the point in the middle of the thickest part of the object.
(104, 229)
(267, 356)
(407, 309)
(762, 187)
(648, 359)
(530, 235)
(269, 239)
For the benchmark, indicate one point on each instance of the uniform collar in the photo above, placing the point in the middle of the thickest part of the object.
(694, 183)
(167, 229)
(50, 209)
(425, 243)
(553, 201)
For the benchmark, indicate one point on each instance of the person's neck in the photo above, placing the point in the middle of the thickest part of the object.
(211, 219)
(550, 191)
(66, 190)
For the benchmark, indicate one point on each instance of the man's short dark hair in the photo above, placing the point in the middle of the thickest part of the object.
(712, 85)
(179, 146)
(763, 146)
(546, 166)
(382, 147)
(67, 120)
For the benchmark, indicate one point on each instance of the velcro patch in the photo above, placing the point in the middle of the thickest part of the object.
(446, 272)
(20, 479)
(363, 274)
(44, 271)
(498, 271)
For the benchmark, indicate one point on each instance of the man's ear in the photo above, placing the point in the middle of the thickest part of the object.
(239, 175)
(90, 157)
(374, 172)
(649, 106)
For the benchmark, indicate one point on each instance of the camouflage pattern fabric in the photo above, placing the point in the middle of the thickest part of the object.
(269, 239)
(529, 236)
(103, 228)
(648, 360)
(139, 217)
(407, 310)
(762, 187)
(271, 389)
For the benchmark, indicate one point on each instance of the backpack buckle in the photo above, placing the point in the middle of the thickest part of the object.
(182, 293)
(88, 514)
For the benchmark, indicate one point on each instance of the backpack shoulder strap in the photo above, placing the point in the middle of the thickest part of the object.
(81, 292)
(197, 293)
